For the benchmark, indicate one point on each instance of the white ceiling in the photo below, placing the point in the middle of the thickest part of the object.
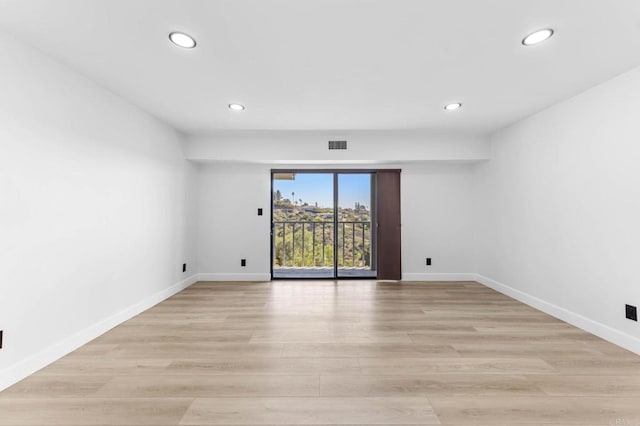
(336, 64)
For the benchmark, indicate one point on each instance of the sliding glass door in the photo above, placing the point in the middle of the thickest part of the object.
(322, 224)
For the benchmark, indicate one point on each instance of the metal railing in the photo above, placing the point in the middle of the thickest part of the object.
(310, 244)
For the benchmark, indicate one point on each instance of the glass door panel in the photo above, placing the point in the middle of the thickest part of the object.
(355, 233)
(303, 225)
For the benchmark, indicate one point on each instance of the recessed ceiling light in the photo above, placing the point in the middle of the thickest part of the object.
(537, 37)
(236, 107)
(453, 106)
(182, 40)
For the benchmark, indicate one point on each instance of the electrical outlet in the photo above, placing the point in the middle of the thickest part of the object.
(243, 262)
(259, 212)
(428, 261)
(184, 267)
(631, 312)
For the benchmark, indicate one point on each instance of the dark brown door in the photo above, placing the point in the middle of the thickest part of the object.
(388, 214)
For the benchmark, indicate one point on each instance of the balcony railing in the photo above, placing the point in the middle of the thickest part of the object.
(310, 244)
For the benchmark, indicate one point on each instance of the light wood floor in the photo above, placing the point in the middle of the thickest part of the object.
(322, 352)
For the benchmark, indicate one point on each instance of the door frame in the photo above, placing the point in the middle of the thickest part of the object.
(335, 173)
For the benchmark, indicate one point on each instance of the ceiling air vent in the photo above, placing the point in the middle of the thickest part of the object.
(337, 144)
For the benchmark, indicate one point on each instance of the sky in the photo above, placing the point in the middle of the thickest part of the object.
(312, 187)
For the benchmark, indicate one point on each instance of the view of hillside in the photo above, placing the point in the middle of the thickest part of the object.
(305, 231)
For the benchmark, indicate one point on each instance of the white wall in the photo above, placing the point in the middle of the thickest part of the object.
(558, 210)
(230, 229)
(310, 147)
(436, 193)
(437, 209)
(436, 218)
(96, 210)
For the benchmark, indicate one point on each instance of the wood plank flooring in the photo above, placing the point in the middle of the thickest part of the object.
(335, 353)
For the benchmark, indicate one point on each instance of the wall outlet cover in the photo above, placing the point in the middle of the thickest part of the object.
(631, 312)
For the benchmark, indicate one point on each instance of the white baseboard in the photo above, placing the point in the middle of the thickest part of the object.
(234, 277)
(405, 277)
(439, 277)
(610, 334)
(22, 369)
